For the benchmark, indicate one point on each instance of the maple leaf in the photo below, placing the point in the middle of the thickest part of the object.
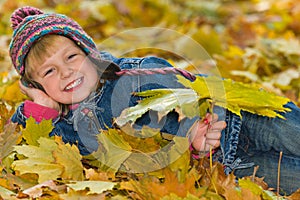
(96, 175)
(112, 152)
(39, 160)
(295, 195)
(34, 131)
(150, 187)
(234, 96)
(38, 190)
(255, 189)
(10, 92)
(173, 196)
(94, 187)
(237, 96)
(5, 115)
(179, 157)
(214, 178)
(52, 159)
(69, 157)
(8, 139)
(145, 140)
(5, 193)
(16, 181)
(163, 101)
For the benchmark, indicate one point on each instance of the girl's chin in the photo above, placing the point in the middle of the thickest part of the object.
(78, 100)
(74, 99)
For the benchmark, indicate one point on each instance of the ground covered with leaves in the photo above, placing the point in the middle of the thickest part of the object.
(251, 41)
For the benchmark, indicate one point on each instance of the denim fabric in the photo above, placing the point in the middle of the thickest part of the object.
(260, 142)
(252, 140)
(80, 126)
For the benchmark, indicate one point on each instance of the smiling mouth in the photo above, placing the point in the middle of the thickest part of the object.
(73, 84)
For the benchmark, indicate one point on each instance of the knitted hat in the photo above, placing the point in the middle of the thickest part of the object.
(30, 24)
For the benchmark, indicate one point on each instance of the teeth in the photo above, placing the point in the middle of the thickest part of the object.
(74, 84)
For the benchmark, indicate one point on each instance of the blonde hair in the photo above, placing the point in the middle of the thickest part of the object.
(40, 51)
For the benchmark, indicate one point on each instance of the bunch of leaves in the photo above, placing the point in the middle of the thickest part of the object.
(230, 31)
(201, 95)
(35, 165)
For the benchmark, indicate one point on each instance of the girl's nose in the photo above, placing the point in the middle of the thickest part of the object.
(66, 73)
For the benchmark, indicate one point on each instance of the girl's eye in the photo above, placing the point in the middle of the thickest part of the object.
(71, 56)
(48, 72)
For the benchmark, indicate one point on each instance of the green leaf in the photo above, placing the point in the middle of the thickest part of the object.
(237, 96)
(112, 152)
(34, 131)
(255, 189)
(234, 96)
(39, 160)
(95, 187)
(162, 101)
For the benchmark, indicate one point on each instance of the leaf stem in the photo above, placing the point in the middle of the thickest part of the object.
(278, 173)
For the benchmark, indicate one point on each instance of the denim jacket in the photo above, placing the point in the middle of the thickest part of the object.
(81, 125)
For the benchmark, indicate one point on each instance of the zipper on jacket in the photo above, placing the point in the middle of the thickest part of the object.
(92, 117)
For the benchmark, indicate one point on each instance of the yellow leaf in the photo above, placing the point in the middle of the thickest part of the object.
(5, 193)
(112, 152)
(237, 96)
(39, 160)
(8, 139)
(69, 157)
(95, 187)
(12, 93)
(34, 131)
(254, 188)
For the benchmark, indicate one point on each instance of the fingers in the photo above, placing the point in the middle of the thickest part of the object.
(211, 118)
(213, 135)
(212, 140)
(217, 126)
(39, 97)
(30, 91)
(207, 133)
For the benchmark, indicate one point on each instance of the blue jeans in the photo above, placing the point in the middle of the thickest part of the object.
(262, 139)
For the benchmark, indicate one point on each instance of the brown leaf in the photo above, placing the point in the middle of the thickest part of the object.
(150, 187)
(38, 190)
(8, 139)
(294, 196)
(94, 175)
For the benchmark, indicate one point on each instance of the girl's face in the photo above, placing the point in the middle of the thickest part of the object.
(67, 75)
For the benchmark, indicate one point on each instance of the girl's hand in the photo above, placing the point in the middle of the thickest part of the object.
(39, 97)
(206, 134)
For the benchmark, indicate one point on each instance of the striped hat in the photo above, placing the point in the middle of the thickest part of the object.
(30, 24)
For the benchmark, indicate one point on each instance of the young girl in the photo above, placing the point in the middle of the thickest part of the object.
(82, 91)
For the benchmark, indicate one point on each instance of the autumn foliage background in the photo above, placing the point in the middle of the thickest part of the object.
(251, 41)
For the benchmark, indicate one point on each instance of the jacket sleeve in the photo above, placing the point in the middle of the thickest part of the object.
(61, 128)
(38, 112)
(18, 116)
